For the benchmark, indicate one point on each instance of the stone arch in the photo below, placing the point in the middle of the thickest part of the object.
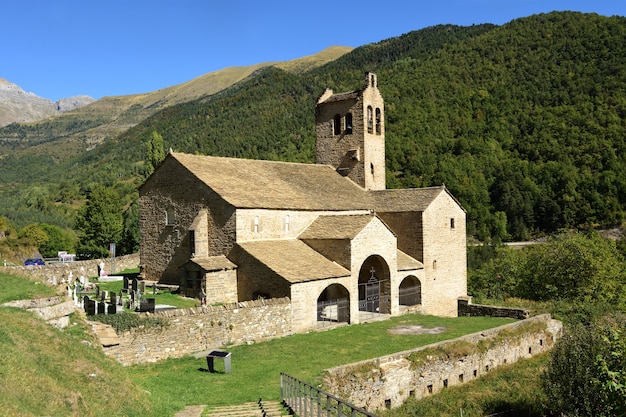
(410, 291)
(375, 286)
(333, 304)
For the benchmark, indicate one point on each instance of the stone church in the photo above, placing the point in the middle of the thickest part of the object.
(329, 236)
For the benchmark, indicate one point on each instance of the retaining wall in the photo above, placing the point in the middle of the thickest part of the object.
(204, 328)
(55, 273)
(466, 308)
(386, 382)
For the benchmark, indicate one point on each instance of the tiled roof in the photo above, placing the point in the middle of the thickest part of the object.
(342, 96)
(246, 183)
(336, 227)
(213, 263)
(294, 260)
(406, 263)
(412, 199)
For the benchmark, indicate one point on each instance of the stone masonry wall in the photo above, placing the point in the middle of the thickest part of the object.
(56, 272)
(466, 308)
(204, 328)
(386, 382)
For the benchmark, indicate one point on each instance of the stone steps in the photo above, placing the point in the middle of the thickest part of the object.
(251, 409)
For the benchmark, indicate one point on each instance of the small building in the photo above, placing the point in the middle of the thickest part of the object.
(329, 235)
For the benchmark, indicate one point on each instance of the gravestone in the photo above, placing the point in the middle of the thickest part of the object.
(101, 308)
(89, 306)
(125, 283)
(111, 309)
(142, 286)
(113, 298)
(135, 284)
(147, 305)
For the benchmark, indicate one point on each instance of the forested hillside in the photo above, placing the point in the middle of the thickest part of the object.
(525, 123)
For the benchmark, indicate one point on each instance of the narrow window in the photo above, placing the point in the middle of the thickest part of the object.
(337, 125)
(452, 223)
(348, 123)
(287, 220)
(461, 378)
(372, 168)
(378, 122)
(370, 120)
(256, 224)
(445, 383)
(435, 264)
(170, 216)
(192, 243)
(373, 80)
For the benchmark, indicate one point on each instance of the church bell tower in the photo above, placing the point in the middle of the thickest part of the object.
(350, 134)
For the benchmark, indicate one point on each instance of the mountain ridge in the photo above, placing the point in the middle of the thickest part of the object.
(523, 122)
(19, 106)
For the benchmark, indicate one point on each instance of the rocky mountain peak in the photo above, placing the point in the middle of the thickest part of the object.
(17, 105)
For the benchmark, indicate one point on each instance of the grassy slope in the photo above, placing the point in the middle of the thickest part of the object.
(45, 371)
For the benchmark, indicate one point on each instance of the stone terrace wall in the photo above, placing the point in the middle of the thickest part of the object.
(204, 328)
(466, 308)
(55, 272)
(386, 382)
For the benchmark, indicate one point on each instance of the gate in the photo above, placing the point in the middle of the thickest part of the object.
(371, 301)
(410, 295)
(333, 311)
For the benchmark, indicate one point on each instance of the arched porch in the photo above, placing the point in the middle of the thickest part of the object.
(333, 305)
(410, 291)
(374, 287)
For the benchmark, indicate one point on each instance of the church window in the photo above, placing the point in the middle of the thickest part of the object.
(348, 123)
(170, 216)
(378, 122)
(370, 120)
(256, 224)
(337, 125)
(372, 80)
(372, 168)
(452, 223)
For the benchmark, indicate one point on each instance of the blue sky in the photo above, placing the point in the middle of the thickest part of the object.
(63, 48)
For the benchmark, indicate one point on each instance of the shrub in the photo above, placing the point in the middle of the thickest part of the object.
(586, 374)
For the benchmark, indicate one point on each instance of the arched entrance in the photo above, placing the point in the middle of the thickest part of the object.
(374, 286)
(410, 291)
(333, 305)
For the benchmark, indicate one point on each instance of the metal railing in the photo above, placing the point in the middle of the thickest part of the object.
(305, 400)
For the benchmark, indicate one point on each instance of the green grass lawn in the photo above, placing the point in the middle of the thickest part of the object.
(161, 297)
(20, 288)
(45, 371)
(256, 369)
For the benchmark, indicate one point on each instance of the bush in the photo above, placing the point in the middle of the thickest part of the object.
(586, 374)
(125, 321)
